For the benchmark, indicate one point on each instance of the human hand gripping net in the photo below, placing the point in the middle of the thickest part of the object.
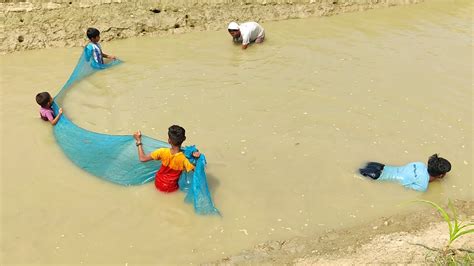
(114, 157)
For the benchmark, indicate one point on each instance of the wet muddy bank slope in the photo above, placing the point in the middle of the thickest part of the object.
(39, 24)
(409, 238)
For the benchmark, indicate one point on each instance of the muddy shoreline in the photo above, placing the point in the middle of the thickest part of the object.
(405, 238)
(31, 25)
(28, 26)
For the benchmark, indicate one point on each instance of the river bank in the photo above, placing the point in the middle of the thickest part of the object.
(332, 91)
(39, 24)
(414, 238)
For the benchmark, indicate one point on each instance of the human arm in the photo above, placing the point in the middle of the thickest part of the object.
(55, 120)
(192, 158)
(245, 39)
(109, 56)
(416, 186)
(141, 154)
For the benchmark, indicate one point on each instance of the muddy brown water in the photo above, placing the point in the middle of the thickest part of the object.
(284, 126)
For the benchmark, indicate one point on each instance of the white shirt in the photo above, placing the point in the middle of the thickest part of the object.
(250, 31)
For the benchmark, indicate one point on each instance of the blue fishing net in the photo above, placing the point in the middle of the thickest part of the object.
(114, 157)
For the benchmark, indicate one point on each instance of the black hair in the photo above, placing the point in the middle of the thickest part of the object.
(43, 98)
(231, 30)
(176, 135)
(438, 166)
(92, 33)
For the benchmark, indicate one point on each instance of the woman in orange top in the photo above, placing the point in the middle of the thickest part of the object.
(173, 160)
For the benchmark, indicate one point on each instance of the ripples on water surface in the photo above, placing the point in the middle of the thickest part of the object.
(284, 126)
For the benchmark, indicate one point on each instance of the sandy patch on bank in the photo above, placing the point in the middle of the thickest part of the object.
(409, 238)
(400, 247)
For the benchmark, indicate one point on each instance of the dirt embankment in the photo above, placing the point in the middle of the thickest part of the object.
(415, 238)
(62, 23)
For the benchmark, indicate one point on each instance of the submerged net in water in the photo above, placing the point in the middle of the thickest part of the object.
(114, 157)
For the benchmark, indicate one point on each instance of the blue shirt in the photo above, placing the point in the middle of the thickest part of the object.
(94, 51)
(413, 175)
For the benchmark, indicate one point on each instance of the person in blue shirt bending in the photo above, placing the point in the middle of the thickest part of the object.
(414, 175)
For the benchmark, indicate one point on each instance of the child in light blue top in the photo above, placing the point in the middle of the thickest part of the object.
(414, 175)
(94, 51)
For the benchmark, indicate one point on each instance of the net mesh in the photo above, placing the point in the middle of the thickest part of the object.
(114, 157)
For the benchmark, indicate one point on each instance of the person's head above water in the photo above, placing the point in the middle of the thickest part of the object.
(438, 167)
(44, 99)
(176, 135)
(93, 34)
(234, 30)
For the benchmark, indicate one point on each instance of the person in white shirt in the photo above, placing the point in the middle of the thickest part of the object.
(246, 33)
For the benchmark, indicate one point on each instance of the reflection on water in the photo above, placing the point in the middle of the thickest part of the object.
(284, 125)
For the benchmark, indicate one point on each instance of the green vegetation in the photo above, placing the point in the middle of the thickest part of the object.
(456, 228)
(454, 259)
(450, 256)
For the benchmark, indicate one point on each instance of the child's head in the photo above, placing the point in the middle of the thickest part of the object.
(93, 34)
(437, 166)
(176, 135)
(44, 99)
